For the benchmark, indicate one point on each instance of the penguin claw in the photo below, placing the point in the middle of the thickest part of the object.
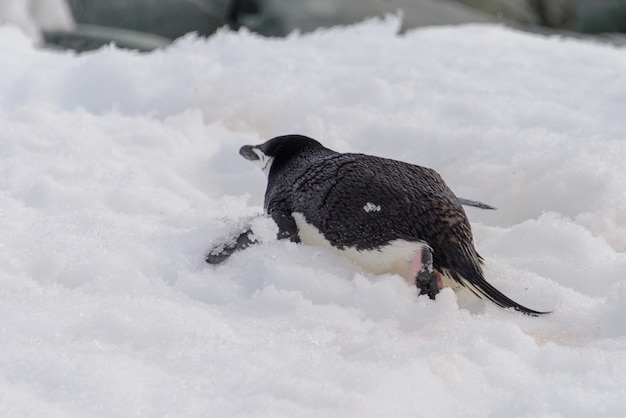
(426, 277)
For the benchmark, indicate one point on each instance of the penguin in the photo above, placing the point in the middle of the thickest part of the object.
(384, 215)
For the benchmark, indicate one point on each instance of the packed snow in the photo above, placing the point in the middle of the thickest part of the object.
(119, 170)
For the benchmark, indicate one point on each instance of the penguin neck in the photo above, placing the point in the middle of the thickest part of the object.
(285, 166)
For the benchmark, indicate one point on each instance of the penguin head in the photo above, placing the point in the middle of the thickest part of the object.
(278, 151)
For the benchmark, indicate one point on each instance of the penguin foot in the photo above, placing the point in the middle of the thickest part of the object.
(426, 278)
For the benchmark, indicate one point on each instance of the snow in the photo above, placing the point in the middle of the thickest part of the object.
(371, 207)
(118, 170)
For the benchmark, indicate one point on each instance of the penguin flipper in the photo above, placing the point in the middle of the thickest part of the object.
(221, 252)
(287, 228)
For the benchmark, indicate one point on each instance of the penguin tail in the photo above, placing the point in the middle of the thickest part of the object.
(477, 284)
(475, 203)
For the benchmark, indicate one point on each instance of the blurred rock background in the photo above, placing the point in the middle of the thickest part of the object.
(148, 24)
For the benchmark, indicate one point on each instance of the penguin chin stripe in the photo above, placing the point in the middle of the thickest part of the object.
(267, 167)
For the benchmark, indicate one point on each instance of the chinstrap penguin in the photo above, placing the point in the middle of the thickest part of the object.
(385, 215)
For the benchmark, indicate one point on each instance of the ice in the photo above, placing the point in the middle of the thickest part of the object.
(119, 170)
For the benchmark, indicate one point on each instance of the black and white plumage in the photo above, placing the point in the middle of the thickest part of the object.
(383, 214)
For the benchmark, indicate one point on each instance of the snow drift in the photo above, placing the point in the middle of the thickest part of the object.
(118, 170)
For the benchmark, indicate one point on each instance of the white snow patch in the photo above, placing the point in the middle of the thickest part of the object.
(371, 207)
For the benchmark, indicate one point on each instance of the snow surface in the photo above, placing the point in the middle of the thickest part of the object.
(119, 170)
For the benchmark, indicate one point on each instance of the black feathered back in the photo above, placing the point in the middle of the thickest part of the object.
(365, 202)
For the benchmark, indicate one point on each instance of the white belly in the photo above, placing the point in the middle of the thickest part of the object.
(395, 257)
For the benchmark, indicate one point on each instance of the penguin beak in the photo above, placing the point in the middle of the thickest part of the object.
(247, 152)
(258, 157)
